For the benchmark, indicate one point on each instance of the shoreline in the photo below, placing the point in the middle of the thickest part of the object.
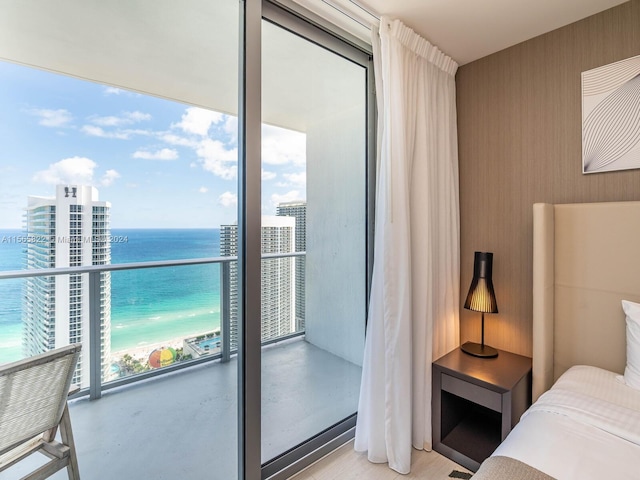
(142, 352)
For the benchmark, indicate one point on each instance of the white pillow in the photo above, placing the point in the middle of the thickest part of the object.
(632, 370)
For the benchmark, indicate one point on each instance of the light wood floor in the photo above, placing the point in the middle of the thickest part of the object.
(346, 464)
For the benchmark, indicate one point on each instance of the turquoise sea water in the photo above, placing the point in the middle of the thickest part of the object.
(148, 305)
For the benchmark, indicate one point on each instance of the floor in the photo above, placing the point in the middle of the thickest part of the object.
(346, 464)
(183, 425)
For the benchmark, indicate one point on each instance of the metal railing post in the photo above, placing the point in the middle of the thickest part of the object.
(95, 337)
(225, 311)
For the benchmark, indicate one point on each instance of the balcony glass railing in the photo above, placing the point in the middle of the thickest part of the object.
(147, 333)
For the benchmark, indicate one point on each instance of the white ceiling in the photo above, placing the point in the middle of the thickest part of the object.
(161, 48)
(468, 30)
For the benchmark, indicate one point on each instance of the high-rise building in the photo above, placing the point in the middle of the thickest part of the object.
(277, 277)
(298, 209)
(70, 230)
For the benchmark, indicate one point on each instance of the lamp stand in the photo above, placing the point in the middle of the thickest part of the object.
(479, 349)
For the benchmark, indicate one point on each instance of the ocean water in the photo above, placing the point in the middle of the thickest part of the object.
(149, 305)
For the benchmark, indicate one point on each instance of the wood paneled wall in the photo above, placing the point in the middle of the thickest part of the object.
(519, 134)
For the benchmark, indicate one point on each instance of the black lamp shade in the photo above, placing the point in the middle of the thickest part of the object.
(481, 297)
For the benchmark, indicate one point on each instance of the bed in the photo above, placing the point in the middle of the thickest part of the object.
(585, 420)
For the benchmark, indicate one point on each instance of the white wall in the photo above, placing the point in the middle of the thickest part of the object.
(336, 229)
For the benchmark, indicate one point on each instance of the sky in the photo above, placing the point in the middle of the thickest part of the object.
(161, 164)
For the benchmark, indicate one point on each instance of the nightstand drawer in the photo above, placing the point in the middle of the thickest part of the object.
(469, 391)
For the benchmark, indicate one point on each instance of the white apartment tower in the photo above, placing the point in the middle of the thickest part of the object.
(277, 277)
(70, 230)
(298, 210)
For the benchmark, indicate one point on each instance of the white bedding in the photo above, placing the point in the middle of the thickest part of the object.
(586, 427)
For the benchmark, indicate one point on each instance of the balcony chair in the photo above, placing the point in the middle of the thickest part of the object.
(33, 403)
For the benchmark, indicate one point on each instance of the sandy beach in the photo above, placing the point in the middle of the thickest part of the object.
(142, 352)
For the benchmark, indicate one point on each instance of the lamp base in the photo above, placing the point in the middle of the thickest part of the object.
(478, 350)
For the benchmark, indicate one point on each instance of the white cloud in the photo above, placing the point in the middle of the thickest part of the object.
(203, 190)
(218, 156)
(287, 197)
(217, 159)
(109, 177)
(52, 118)
(297, 179)
(69, 170)
(113, 91)
(281, 146)
(163, 154)
(228, 199)
(127, 118)
(198, 120)
(137, 131)
(172, 139)
(119, 91)
(230, 127)
(137, 116)
(266, 175)
(112, 125)
(78, 170)
(106, 121)
(94, 131)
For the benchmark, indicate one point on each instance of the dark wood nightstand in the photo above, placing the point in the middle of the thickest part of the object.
(476, 403)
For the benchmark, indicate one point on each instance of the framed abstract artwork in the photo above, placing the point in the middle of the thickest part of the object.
(611, 117)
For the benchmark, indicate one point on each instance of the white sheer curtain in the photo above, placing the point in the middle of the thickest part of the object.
(413, 310)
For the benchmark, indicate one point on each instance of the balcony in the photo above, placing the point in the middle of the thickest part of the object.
(181, 421)
(182, 425)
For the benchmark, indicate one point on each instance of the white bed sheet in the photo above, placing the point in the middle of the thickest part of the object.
(586, 427)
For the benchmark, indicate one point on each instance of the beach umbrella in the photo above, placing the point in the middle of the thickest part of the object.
(161, 357)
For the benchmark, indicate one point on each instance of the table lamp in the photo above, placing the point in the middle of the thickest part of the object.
(481, 298)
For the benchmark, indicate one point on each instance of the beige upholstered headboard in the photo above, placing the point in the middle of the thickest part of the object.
(586, 259)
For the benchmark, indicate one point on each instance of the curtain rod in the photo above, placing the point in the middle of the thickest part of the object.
(360, 19)
(366, 9)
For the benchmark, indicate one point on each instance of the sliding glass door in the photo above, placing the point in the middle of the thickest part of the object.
(313, 237)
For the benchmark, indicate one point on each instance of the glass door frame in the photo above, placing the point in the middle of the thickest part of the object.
(252, 12)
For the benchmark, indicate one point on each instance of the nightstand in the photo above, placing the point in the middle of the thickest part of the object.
(476, 403)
